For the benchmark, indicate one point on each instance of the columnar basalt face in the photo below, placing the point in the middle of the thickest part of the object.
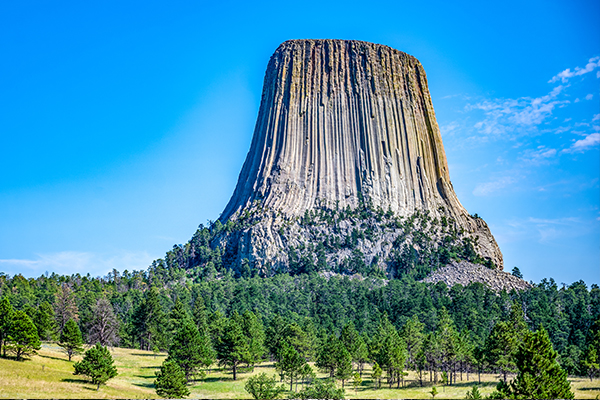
(342, 122)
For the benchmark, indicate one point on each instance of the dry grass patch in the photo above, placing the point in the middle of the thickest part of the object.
(50, 375)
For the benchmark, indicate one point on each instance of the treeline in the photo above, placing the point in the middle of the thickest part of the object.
(136, 310)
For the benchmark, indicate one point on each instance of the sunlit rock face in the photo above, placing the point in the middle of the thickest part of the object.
(342, 122)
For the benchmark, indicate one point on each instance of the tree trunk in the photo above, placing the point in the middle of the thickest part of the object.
(234, 371)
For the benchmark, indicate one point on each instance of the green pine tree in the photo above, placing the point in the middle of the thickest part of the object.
(191, 350)
(70, 339)
(503, 341)
(254, 331)
(290, 363)
(170, 381)
(45, 321)
(591, 359)
(150, 322)
(433, 392)
(376, 375)
(97, 364)
(590, 362)
(233, 348)
(474, 394)
(6, 316)
(177, 318)
(327, 360)
(361, 355)
(23, 337)
(200, 316)
(540, 376)
(413, 335)
(343, 370)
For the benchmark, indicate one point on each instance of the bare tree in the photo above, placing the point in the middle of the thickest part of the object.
(104, 326)
(65, 307)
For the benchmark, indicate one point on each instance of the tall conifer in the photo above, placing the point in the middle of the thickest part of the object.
(70, 338)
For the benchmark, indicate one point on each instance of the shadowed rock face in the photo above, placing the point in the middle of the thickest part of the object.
(342, 122)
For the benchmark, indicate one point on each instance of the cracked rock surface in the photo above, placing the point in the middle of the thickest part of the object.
(343, 121)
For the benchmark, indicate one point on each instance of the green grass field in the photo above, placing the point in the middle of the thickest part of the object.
(50, 375)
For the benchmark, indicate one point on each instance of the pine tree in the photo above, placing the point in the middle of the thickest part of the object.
(504, 339)
(395, 357)
(233, 348)
(177, 316)
(45, 321)
(191, 350)
(6, 316)
(376, 375)
(356, 381)
(343, 370)
(254, 331)
(361, 355)
(413, 335)
(540, 376)
(590, 362)
(23, 337)
(97, 364)
(327, 360)
(70, 339)
(474, 394)
(170, 381)
(350, 337)
(150, 322)
(591, 359)
(217, 323)
(447, 340)
(290, 363)
(200, 316)
(298, 339)
(275, 335)
(500, 348)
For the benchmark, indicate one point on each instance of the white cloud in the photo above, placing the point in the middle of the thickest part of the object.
(539, 156)
(591, 140)
(485, 189)
(545, 230)
(565, 75)
(504, 116)
(596, 118)
(553, 229)
(589, 96)
(69, 262)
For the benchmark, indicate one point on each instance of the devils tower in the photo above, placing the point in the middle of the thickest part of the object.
(347, 163)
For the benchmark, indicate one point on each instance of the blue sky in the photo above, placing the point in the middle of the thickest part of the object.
(124, 125)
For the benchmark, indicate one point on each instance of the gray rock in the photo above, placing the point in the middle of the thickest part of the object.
(342, 121)
(464, 273)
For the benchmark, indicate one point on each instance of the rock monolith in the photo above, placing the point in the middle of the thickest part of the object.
(342, 124)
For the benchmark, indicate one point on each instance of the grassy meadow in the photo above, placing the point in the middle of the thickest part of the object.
(50, 375)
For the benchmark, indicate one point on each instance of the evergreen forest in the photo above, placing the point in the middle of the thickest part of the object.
(340, 323)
